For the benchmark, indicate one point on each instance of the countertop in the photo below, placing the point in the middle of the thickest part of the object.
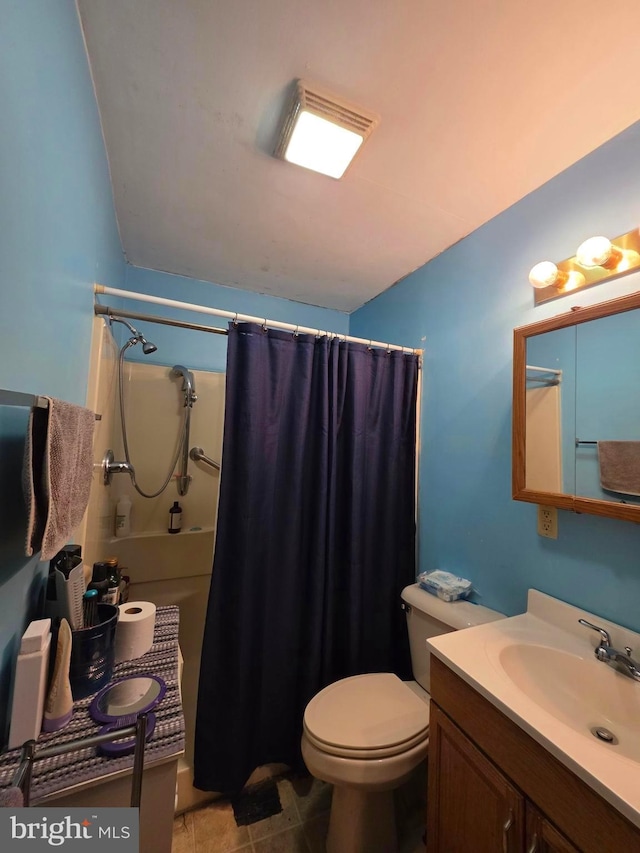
(474, 655)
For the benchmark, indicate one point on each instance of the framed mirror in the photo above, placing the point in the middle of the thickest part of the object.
(576, 410)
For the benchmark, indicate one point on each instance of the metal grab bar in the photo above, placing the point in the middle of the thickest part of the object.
(22, 776)
(198, 455)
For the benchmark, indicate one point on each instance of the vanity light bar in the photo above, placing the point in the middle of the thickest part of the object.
(597, 259)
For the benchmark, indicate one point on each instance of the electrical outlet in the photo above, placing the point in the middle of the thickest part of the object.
(548, 521)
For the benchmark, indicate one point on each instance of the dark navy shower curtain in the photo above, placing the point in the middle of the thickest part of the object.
(315, 540)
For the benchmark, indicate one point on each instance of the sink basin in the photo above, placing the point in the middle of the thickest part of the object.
(539, 670)
(583, 693)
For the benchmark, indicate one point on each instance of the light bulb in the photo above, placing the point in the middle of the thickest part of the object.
(598, 252)
(574, 281)
(546, 274)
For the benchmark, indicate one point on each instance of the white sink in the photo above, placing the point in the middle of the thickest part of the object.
(584, 693)
(540, 670)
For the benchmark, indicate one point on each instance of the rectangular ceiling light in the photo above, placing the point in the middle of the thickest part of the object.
(322, 132)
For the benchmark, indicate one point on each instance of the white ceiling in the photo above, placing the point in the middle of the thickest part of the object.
(481, 101)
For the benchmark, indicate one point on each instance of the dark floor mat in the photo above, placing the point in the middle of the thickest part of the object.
(256, 803)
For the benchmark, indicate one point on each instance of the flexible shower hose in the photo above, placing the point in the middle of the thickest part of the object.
(125, 443)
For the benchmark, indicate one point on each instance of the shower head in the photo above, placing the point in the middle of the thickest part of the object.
(188, 384)
(137, 337)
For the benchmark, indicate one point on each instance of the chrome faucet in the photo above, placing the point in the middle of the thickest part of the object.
(604, 651)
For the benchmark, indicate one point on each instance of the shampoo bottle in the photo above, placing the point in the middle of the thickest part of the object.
(100, 579)
(175, 518)
(123, 516)
(58, 708)
(112, 595)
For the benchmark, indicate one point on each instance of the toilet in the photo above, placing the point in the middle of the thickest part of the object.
(367, 733)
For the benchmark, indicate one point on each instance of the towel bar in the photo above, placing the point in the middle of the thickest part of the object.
(32, 401)
(30, 753)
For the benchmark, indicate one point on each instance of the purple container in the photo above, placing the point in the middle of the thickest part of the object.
(93, 653)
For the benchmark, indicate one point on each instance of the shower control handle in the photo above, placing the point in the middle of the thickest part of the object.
(111, 467)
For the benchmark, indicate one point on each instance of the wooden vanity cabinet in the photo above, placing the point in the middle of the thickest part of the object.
(493, 789)
(472, 806)
(542, 836)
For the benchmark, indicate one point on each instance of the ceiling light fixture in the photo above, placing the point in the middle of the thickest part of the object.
(596, 260)
(323, 132)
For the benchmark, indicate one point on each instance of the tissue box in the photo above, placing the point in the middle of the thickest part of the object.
(446, 586)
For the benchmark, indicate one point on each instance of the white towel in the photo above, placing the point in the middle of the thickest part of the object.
(57, 473)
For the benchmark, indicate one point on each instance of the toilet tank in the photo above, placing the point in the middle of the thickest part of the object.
(428, 616)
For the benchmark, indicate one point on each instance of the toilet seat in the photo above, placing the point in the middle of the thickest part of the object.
(366, 717)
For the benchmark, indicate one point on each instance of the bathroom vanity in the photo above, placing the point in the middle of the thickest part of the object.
(509, 773)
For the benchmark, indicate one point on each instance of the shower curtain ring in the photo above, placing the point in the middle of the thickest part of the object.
(370, 348)
(235, 319)
(264, 325)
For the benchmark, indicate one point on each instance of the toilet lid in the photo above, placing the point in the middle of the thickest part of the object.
(366, 716)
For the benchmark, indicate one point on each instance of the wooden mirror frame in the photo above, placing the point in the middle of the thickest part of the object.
(576, 316)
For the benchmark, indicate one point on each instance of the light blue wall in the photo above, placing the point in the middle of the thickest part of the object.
(202, 350)
(461, 308)
(58, 235)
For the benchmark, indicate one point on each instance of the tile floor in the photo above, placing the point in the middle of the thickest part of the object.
(301, 826)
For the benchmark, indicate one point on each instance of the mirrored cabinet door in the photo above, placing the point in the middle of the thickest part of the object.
(576, 410)
(607, 399)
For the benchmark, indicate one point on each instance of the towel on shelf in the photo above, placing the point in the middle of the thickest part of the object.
(58, 468)
(620, 466)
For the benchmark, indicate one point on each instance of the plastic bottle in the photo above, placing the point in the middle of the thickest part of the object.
(58, 708)
(125, 583)
(112, 595)
(175, 518)
(123, 516)
(30, 683)
(100, 579)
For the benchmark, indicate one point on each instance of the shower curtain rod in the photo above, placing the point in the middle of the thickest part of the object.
(244, 318)
(543, 369)
(106, 310)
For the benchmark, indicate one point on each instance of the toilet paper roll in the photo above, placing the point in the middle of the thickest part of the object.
(134, 635)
